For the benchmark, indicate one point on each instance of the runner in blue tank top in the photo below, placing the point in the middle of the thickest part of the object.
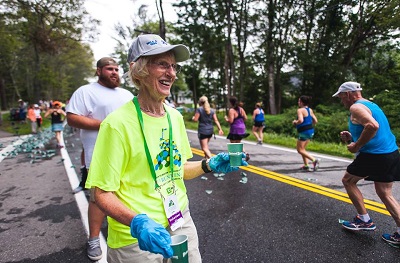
(377, 158)
(258, 126)
(304, 123)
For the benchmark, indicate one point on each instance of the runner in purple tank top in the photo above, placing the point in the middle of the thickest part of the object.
(236, 118)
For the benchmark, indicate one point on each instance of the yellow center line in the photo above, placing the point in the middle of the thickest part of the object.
(369, 204)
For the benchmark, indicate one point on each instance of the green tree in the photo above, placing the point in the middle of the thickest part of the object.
(47, 32)
(337, 35)
(9, 45)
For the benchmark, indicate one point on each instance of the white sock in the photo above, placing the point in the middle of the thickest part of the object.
(365, 217)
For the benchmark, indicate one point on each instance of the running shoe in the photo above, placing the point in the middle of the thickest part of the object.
(305, 168)
(392, 239)
(358, 224)
(316, 164)
(94, 250)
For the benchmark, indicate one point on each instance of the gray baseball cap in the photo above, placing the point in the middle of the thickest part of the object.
(105, 62)
(150, 44)
(348, 86)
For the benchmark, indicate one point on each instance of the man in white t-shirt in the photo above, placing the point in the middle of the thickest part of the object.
(87, 108)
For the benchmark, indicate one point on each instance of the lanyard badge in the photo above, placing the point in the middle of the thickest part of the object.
(170, 201)
(173, 213)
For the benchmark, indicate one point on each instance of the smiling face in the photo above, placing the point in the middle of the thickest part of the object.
(108, 76)
(161, 76)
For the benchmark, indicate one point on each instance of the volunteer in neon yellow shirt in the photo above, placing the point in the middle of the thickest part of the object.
(137, 184)
(122, 131)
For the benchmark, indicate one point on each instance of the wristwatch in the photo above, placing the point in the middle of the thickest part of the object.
(205, 166)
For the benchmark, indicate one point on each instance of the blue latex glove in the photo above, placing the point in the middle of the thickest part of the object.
(151, 236)
(220, 163)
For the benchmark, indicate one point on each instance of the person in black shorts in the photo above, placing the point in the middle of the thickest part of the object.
(57, 119)
(258, 126)
(206, 116)
(304, 124)
(377, 158)
(236, 119)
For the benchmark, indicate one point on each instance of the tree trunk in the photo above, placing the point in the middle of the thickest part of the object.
(241, 25)
(271, 89)
(270, 58)
(194, 90)
(160, 12)
(309, 29)
(3, 102)
(227, 62)
(227, 74)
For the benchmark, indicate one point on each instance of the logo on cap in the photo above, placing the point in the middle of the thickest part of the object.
(152, 43)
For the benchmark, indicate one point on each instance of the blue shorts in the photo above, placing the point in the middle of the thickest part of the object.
(304, 136)
(57, 127)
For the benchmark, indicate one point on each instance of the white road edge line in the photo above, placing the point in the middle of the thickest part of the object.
(80, 198)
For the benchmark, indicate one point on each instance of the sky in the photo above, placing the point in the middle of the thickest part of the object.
(112, 12)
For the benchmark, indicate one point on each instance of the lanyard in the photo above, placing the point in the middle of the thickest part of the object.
(146, 148)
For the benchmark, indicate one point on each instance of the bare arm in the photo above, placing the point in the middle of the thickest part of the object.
(300, 117)
(192, 169)
(48, 112)
(61, 112)
(220, 131)
(113, 207)
(360, 114)
(82, 122)
(196, 116)
(314, 118)
(244, 115)
(255, 112)
(231, 116)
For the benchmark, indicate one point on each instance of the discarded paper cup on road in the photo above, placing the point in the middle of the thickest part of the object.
(179, 244)
(235, 153)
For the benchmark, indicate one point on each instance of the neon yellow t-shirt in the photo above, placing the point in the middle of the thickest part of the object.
(119, 165)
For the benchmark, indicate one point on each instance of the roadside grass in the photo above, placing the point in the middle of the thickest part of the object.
(18, 127)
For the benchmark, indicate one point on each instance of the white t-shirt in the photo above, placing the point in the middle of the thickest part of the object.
(96, 102)
(37, 113)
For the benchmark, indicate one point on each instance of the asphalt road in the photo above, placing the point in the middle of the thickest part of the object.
(280, 214)
(39, 219)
